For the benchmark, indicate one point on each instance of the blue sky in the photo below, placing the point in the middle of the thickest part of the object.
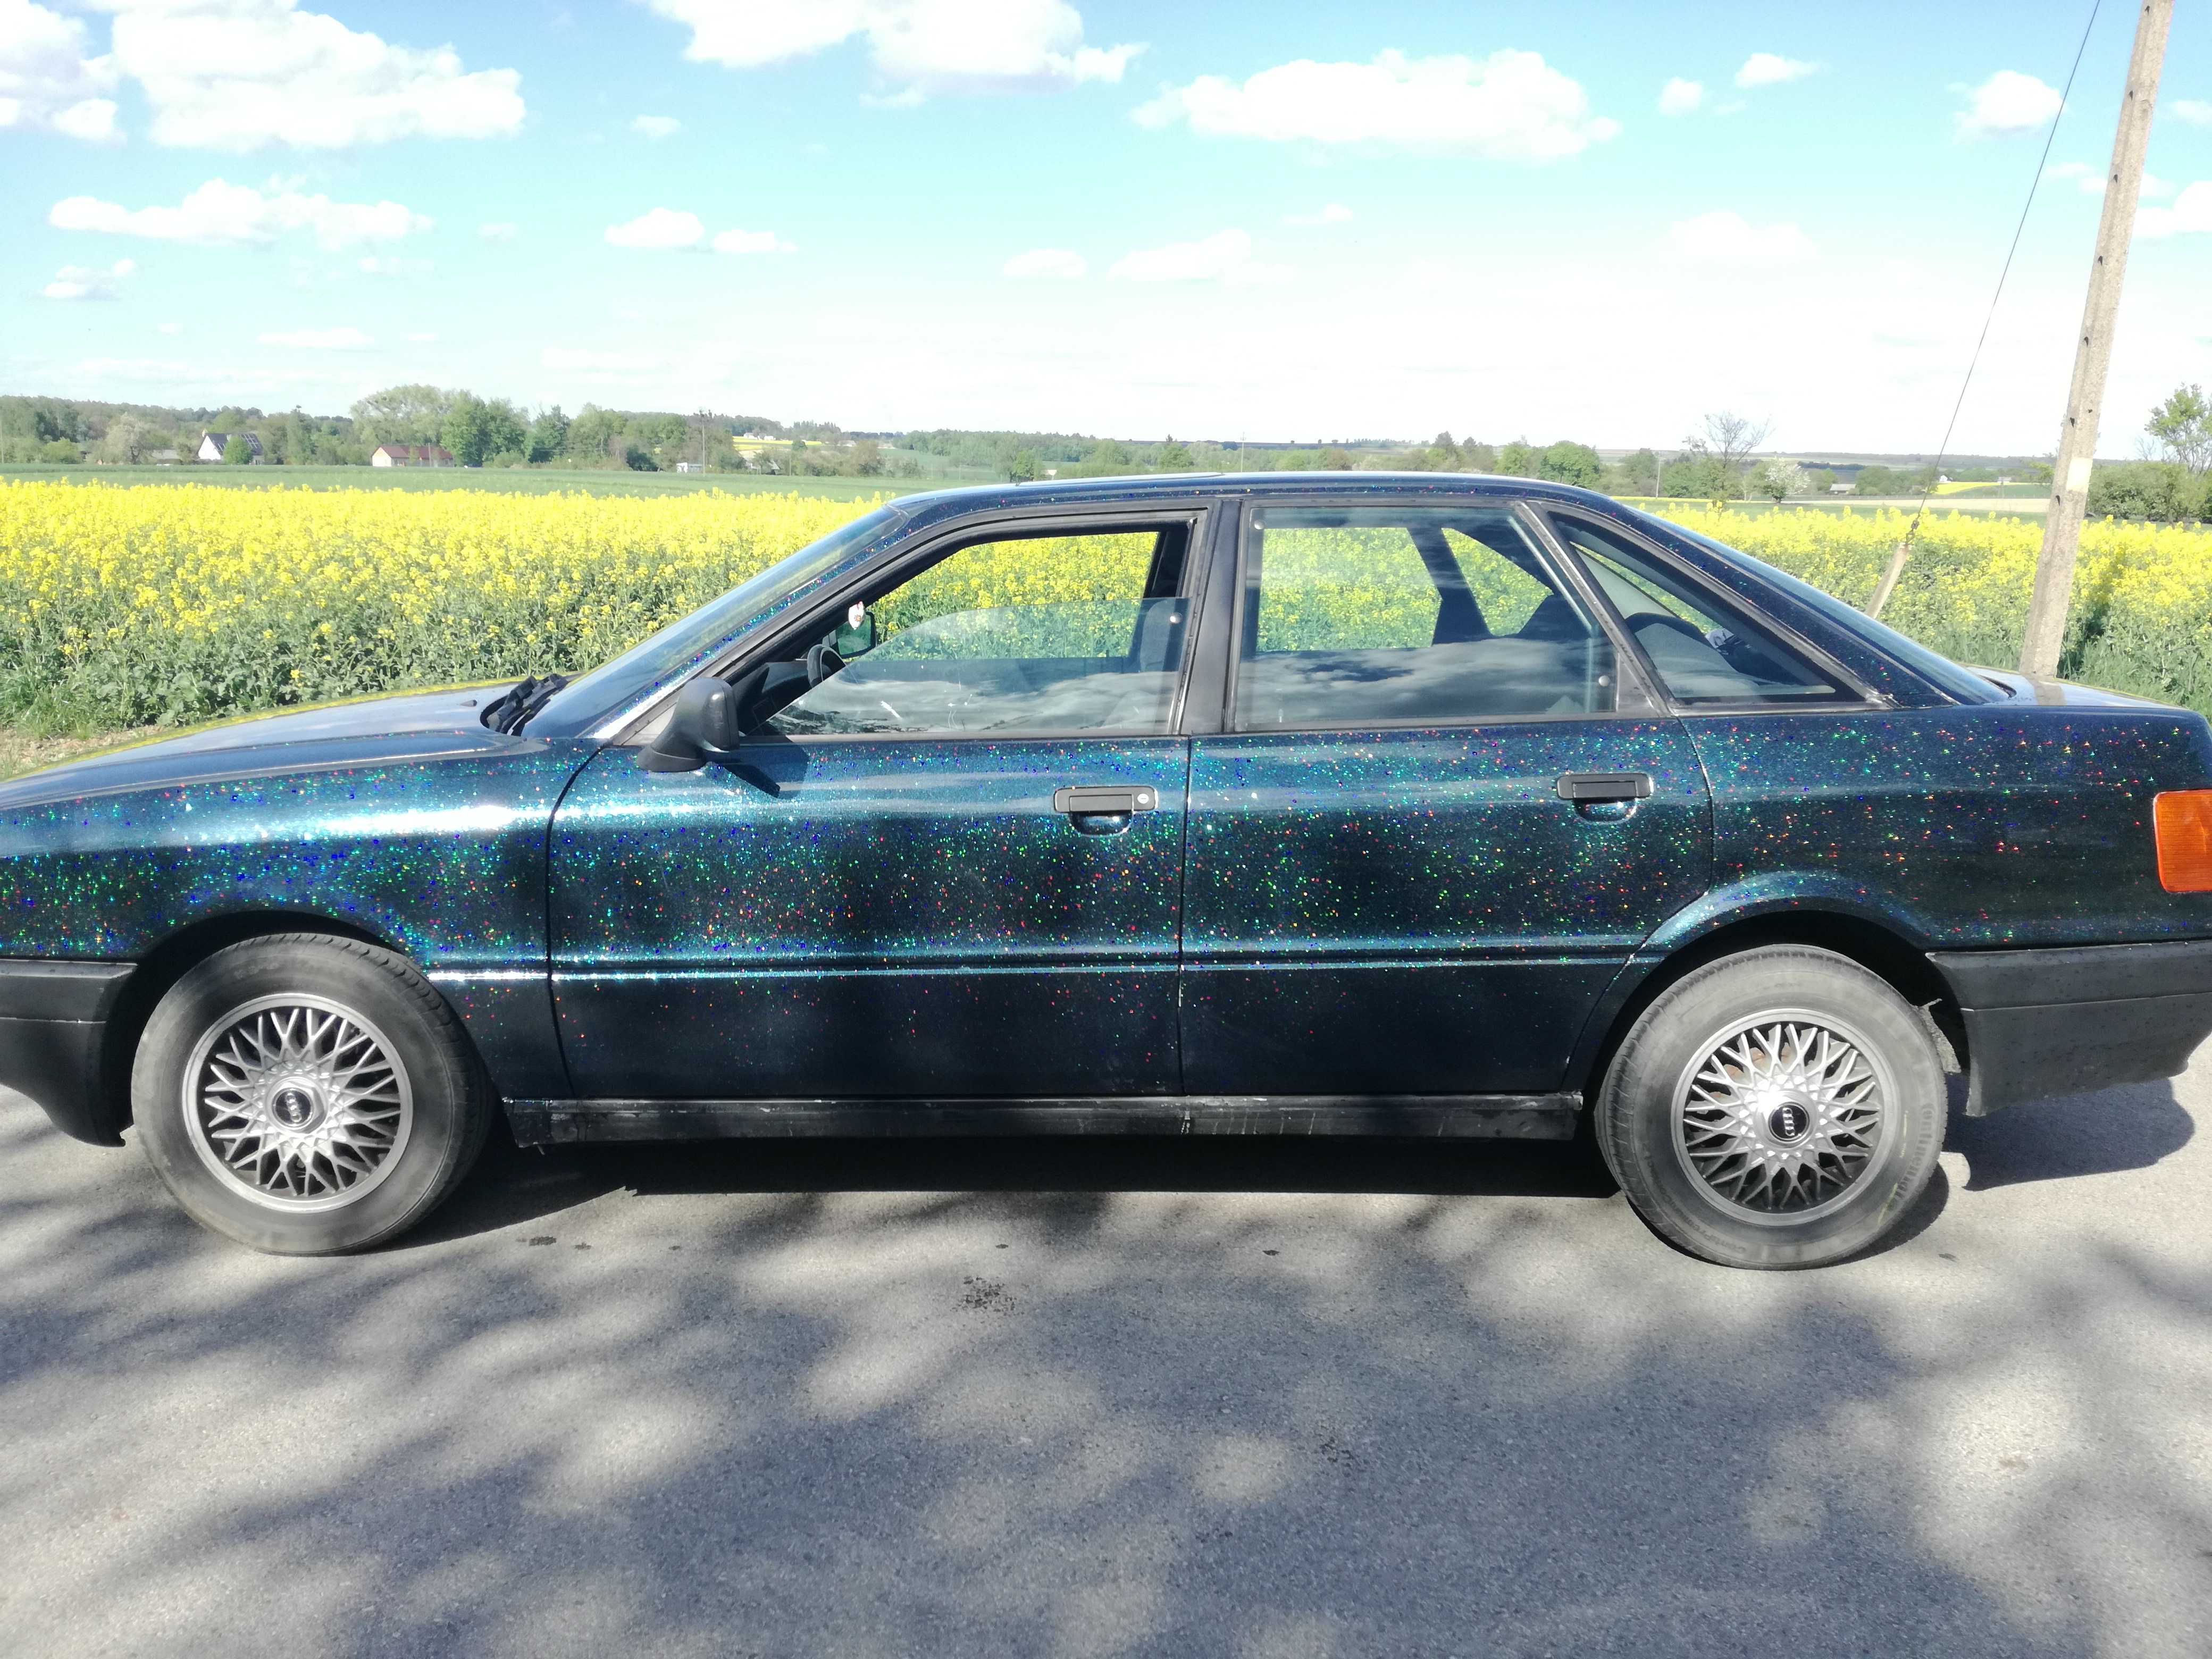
(1283, 222)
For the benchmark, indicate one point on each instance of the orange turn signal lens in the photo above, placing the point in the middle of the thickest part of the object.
(2183, 820)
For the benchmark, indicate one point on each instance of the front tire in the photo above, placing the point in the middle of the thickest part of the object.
(1780, 1108)
(307, 1095)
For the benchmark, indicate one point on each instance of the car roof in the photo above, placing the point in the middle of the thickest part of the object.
(1140, 487)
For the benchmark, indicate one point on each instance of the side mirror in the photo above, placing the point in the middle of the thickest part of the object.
(703, 726)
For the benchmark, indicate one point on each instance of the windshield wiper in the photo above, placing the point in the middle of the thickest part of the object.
(511, 711)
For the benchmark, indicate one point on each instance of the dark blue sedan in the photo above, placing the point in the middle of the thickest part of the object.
(1289, 804)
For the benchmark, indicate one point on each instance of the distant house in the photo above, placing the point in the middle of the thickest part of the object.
(690, 466)
(1840, 489)
(165, 457)
(410, 455)
(211, 445)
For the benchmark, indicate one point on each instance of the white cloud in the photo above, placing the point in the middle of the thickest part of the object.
(2194, 110)
(2090, 181)
(2007, 104)
(48, 80)
(1767, 69)
(1050, 264)
(221, 214)
(661, 227)
(171, 328)
(2190, 215)
(1509, 106)
(1680, 97)
(498, 231)
(89, 282)
(751, 241)
(656, 126)
(238, 74)
(920, 46)
(422, 339)
(1729, 237)
(319, 339)
(1335, 214)
(1224, 257)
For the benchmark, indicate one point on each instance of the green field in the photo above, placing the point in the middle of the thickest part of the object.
(512, 480)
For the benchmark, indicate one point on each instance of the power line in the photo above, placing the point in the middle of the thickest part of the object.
(2065, 96)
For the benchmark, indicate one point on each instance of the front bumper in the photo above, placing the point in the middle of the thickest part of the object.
(2042, 1023)
(53, 1030)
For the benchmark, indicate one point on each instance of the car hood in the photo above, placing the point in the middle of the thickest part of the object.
(420, 726)
(2062, 694)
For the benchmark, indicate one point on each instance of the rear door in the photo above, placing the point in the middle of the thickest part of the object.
(1443, 809)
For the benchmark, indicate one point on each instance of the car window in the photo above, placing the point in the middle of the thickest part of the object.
(1706, 649)
(1409, 616)
(1033, 634)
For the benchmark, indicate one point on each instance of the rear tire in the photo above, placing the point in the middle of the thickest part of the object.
(307, 1095)
(1780, 1108)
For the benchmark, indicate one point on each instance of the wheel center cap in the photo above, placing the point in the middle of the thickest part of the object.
(294, 1106)
(1788, 1122)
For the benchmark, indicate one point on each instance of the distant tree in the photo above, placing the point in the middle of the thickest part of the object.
(867, 459)
(127, 441)
(2164, 492)
(505, 430)
(405, 414)
(1335, 460)
(466, 430)
(1730, 436)
(549, 435)
(62, 450)
(1173, 457)
(1572, 464)
(1022, 465)
(236, 451)
(2182, 426)
(1700, 476)
(593, 436)
(1879, 480)
(1779, 480)
(1477, 458)
(1519, 460)
(1632, 475)
(1822, 480)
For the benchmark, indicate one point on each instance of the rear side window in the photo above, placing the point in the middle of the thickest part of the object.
(1409, 616)
(1705, 650)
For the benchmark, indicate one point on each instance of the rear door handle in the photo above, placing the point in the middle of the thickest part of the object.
(1604, 785)
(1100, 802)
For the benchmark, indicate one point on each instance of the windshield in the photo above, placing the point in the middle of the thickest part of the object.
(677, 648)
(1953, 681)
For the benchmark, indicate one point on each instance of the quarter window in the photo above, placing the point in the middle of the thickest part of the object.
(1409, 616)
(1032, 634)
(1706, 650)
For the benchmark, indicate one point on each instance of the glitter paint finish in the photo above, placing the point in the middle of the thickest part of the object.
(1990, 825)
(869, 918)
(1419, 912)
(431, 840)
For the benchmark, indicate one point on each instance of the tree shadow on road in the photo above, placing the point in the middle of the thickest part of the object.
(2126, 1128)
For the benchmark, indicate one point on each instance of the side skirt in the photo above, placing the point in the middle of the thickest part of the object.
(1508, 1117)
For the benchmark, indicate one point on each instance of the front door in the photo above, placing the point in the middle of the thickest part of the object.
(1436, 826)
(949, 868)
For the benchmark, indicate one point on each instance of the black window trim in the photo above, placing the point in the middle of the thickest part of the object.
(1855, 697)
(937, 543)
(1633, 681)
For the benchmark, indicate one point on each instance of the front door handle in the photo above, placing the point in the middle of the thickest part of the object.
(1604, 785)
(1104, 810)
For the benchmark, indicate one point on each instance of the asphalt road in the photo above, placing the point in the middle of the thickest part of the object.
(1166, 1398)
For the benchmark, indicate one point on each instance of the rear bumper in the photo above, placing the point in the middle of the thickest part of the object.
(54, 1028)
(2042, 1023)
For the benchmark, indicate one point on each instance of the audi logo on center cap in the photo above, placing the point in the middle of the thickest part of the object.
(292, 1107)
(1788, 1121)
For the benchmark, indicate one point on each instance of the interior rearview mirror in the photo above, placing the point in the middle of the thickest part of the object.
(856, 635)
(701, 726)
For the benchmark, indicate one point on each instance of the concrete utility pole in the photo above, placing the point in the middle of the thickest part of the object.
(2093, 355)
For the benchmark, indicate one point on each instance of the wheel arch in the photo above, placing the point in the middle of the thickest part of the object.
(177, 954)
(1879, 948)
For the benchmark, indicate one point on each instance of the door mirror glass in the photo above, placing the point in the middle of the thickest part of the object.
(856, 635)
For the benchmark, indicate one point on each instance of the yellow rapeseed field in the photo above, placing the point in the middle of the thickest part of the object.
(121, 606)
(175, 602)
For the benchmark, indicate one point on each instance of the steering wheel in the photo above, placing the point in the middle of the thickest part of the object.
(822, 661)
